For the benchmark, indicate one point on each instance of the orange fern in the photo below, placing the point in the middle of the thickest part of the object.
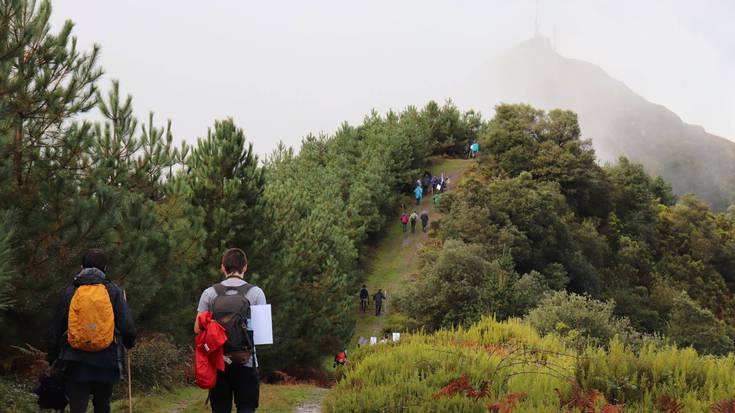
(584, 401)
(723, 406)
(507, 403)
(457, 386)
(668, 404)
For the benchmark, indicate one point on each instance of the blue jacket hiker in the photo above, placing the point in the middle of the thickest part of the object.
(419, 193)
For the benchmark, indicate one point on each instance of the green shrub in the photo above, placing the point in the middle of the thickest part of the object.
(581, 320)
(692, 325)
(16, 397)
(157, 362)
(510, 358)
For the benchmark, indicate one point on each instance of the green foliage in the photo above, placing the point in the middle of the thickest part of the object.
(510, 357)
(691, 325)
(156, 363)
(459, 286)
(17, 397)
(612, 233)
(580, 320)
(6, 254)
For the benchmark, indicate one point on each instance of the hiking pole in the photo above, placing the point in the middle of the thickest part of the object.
(130, 373)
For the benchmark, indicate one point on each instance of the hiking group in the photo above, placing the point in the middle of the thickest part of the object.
(377, 298)
(429, 183)
(92, 327)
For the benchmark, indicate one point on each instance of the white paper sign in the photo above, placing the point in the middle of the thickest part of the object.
(396, 336)
(262, 324)
(373, 341)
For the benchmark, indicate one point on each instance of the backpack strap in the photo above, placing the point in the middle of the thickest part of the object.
(221, 289)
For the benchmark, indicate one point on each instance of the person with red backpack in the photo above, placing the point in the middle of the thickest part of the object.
(229, 303)
(340, 358)
(91, 326)
(404, 221)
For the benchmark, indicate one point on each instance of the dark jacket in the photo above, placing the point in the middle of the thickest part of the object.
(111, 357)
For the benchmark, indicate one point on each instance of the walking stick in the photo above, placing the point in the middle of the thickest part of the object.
(130, 374)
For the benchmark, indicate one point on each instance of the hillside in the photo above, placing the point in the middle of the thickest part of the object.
(619, 121)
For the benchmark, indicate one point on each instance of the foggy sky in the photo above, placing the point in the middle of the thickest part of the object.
(284, 69)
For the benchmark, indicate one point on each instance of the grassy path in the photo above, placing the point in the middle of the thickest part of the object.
(393, 265)
(394, 260)
(273, 399)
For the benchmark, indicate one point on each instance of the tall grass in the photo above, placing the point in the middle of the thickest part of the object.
(423, 372)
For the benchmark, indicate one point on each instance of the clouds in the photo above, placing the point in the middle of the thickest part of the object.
(284, 69)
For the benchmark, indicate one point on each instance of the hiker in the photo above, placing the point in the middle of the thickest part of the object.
(229, 303)
(475, 147)
(419, 192)
(83, 337)
(426, 181)
(364, 298)
(404, 221)
(340, 358)
(414, 217)
(434, 183)
(378, 298)
(424, 220)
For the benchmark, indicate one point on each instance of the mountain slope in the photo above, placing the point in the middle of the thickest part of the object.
(619, 121)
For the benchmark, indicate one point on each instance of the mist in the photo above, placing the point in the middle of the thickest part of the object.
(286, 69)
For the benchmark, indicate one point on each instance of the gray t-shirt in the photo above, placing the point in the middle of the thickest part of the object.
(255, 295)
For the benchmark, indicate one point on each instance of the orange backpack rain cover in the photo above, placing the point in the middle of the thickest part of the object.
(91, 318)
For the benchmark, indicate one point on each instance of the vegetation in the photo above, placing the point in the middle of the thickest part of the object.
(164, 214)
(507, 367)
(635, 260)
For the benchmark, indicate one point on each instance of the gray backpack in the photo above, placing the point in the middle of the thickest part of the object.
(231, 309)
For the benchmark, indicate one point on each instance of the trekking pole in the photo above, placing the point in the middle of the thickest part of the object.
(130, 373)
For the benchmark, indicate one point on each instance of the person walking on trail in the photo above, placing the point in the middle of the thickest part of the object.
(364, 298)
(434, 183)
(419, 192)
(404, 221)
(379, 297)
(414, 217)
(475, 147)
(229, 303)
(340, 358)
(424, 220)
(426, 181)
(91, 325)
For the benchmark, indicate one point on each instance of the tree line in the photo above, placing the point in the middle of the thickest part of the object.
(165, 212)
(541, 230)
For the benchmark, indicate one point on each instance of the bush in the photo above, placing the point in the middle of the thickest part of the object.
(692, 325)
(492, 363)
(581, 320)
(16, 397)
(157, 362)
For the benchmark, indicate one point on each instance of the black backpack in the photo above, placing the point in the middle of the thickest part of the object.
(232, 310)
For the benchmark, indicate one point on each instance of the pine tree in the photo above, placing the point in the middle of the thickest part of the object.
(226, 183)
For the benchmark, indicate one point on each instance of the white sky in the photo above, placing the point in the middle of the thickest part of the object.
(284, 69)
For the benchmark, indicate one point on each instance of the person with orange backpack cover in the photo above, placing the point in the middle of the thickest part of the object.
(83, 339)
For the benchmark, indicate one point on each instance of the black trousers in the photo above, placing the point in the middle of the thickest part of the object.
(239, 381)
(363, 304)
(78, 395)
(378, 308)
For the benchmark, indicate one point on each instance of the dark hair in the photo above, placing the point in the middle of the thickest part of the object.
(234, 260)
(94, 258)
(363, 286)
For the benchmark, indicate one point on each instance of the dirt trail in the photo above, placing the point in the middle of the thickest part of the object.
(394, 264)
(312, 406)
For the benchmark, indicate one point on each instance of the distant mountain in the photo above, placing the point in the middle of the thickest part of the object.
(619, 121)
